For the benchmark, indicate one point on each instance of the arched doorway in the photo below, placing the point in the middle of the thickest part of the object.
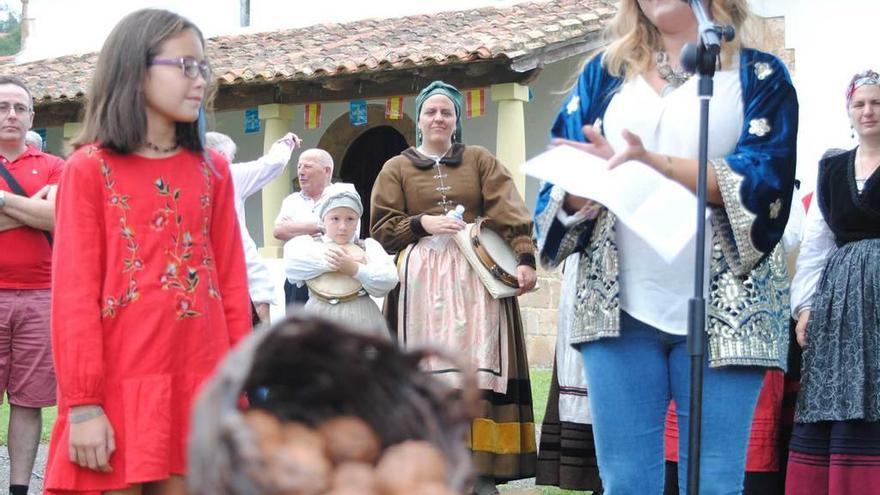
(364, 159)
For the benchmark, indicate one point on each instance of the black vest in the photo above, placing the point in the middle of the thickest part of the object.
(850, 215)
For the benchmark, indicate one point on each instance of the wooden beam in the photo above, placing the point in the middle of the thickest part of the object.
(56, 114)
(366, 86)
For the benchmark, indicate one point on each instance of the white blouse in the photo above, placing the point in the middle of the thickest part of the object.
(305, 258)
(816, 244)
(653, 290)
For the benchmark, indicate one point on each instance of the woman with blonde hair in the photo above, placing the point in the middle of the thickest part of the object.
(633, 103)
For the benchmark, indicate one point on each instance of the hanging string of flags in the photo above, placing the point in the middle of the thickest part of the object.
(474, 107)
(312, 117)
(394, 108)
(475, 103)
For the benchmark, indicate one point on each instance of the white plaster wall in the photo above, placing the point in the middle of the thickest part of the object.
(832, 39)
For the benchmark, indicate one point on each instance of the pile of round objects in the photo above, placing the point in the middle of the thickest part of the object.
(329, 411)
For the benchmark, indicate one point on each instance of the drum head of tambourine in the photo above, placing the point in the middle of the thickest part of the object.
(334, 284)
(497, 248)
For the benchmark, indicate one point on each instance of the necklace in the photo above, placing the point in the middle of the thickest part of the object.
(674, 76)
(157, 149)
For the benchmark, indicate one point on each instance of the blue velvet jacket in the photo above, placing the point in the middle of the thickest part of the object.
(748, 293)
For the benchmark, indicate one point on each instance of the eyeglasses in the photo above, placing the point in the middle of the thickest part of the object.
(191, 67)
(20, 108)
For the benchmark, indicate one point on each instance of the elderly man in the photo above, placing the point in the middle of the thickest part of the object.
(28, 179)
(297, 216)
(34, 139)
(248, 178)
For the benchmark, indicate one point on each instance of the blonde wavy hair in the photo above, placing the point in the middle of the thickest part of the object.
(633, 40)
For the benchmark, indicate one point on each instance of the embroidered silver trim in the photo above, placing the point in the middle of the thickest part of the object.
(747, 315)
(544, 221)
(759, 127)
(763, 70)
(734, 221)
(597, 306)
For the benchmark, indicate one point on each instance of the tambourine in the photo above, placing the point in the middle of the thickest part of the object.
(490, 256)
(335, 287)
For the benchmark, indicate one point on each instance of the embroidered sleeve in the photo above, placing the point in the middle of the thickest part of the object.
(77, 335)
(585, 105)
(558, 239)
(757, 179)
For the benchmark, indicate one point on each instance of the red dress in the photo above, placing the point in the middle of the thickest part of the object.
(149, 293)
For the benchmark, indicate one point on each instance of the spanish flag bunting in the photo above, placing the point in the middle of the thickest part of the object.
(313, 116)
(475, 103)
(394, 108)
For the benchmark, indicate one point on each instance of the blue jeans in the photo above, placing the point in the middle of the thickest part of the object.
(631, 380)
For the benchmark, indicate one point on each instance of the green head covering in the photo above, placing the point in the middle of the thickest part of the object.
(447, 90)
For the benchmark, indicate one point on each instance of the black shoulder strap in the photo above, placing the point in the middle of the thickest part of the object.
(17, 189)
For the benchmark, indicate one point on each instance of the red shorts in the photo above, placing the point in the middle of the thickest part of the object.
(27, 375)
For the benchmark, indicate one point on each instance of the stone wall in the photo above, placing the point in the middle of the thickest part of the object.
(540, 313)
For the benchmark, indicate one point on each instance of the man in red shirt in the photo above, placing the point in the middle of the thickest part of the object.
(28, 179)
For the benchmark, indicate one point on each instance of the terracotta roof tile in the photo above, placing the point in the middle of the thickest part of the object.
(365, 46)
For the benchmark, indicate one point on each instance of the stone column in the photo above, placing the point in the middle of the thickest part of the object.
(510, 145)
(276, 119)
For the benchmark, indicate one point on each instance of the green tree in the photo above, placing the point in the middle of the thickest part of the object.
(10, 30)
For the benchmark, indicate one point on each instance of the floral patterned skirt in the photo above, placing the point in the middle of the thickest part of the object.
(841, 361)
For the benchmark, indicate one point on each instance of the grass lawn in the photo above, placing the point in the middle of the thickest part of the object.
(540, 389)
(48, 421)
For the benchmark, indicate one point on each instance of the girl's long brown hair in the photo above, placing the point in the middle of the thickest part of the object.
(115, 111)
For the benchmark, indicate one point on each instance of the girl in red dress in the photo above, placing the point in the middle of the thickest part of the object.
(149, 287)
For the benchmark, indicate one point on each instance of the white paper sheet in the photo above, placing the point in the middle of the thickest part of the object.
(636, 193)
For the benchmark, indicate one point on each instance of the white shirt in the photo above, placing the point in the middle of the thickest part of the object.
(248, 178)
(653, 290)
(816, 244)
(305, 258)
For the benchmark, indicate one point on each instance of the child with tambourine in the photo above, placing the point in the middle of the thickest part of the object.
(340, 269)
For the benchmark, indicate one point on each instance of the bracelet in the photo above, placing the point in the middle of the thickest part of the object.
(83, 416)
(667, 170)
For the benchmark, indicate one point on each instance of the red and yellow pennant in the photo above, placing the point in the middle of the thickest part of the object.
(394, 108)
(312, 116)
(475, 103)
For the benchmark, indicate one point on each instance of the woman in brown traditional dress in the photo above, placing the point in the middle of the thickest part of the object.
(441, 299)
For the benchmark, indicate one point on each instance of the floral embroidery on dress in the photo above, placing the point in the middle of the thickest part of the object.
(181, 273)
(132, 263)
(182, 263)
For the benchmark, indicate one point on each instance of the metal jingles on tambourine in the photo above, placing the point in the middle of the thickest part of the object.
(490, 256)
(335, 287)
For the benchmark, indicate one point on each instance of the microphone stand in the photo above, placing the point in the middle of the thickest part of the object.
(700, 58)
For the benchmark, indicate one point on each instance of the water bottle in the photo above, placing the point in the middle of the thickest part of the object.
(438, 242)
